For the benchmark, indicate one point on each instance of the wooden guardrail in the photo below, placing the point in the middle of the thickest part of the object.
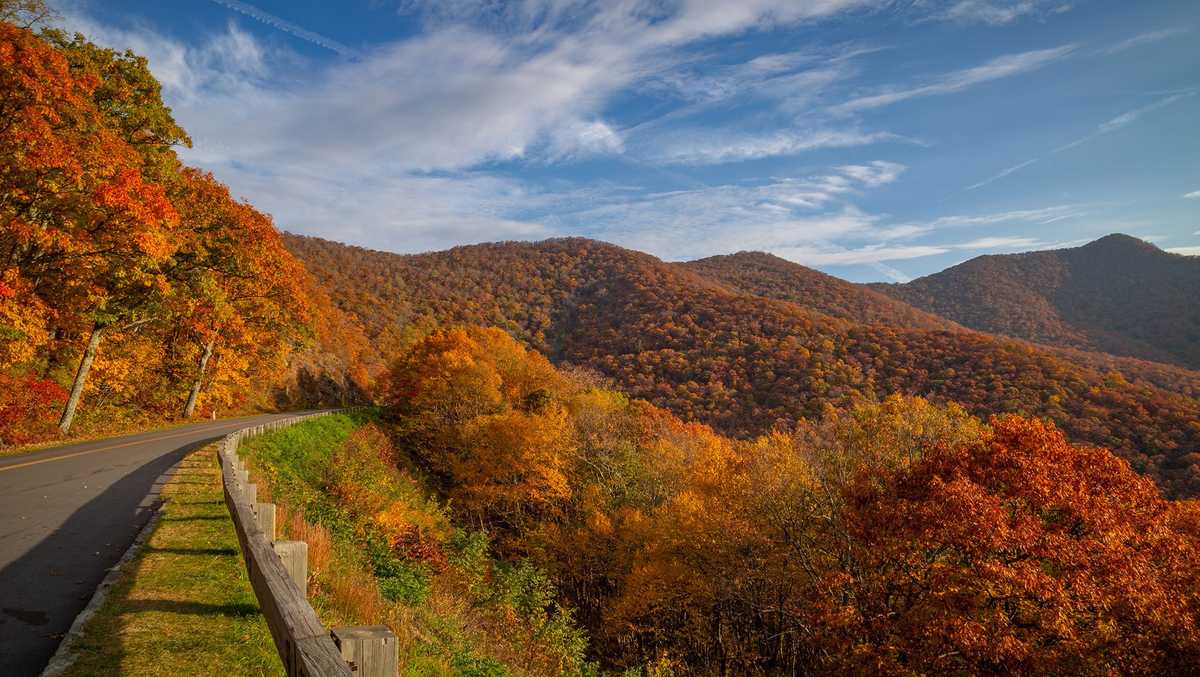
(278, 573)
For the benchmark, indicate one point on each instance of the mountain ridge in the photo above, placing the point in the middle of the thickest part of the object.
(740, 362)
(1118, 295)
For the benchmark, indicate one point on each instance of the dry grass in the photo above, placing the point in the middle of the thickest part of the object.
(320, 544)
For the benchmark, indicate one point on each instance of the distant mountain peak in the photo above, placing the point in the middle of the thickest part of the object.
(1120, 242)
(1119, 294)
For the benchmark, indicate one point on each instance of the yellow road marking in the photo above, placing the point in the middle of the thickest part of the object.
(110, 448)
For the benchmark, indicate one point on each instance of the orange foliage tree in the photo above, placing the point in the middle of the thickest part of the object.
(83, 226)
(477, 408)
(105, 237)
(897, 537)
(238, 289)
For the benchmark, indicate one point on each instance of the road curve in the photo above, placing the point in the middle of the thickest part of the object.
(67, 514)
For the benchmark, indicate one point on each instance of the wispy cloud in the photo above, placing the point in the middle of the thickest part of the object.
(1145, 39)
(1107, 127)
(1040, 216)
(998, 12)
(1194, 195)
(394, 139)
(288, 27)
(1186, 251)
(443, 137)
(874, 174)
(1000, 67)
(771, 216)
(713, 146)
(876, 253)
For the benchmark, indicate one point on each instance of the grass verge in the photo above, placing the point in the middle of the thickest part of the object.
(184, 605)
(382, 549)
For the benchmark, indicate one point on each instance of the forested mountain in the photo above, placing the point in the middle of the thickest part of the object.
(769, 276)
(1118, 295)
(740, 362)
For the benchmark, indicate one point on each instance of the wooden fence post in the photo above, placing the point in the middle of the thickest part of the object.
(371, 650)
(295, 559)
(250, 493)
(264, 513)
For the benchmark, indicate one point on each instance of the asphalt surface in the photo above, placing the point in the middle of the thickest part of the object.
(67, 515)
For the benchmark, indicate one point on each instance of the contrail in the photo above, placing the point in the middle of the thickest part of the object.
(288, 27)
(1112, 125)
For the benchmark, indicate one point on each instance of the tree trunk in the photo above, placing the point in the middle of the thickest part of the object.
(85, 365)
(190, 408)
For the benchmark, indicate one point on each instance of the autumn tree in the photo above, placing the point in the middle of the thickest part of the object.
(482, 411)
(1018, 553)
(130, 98)
(235, 286)
(82, 224)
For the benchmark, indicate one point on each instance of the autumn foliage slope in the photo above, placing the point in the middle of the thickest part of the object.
(741, 362)
(1119, 295)
(897, 537)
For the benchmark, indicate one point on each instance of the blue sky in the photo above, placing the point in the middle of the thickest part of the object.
(872, 139)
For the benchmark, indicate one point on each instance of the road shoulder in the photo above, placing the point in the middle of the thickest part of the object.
(182, 604)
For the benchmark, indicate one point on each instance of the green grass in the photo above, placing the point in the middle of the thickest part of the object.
(476, 616)
(184, 605)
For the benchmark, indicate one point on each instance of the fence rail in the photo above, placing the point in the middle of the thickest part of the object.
(278, 572)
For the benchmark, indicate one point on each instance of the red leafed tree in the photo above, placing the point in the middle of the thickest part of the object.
(27, 405)
(1017, 554)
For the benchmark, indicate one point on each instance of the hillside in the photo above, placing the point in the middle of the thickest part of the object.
(769, 276)
(1117, 295)
(742, 363)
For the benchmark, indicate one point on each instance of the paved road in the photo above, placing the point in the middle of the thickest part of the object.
(68, 514)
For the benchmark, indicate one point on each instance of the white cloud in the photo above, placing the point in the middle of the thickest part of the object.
(450, 98)
(795, 76)
(397, 213)
(226, 61)
(997, 12)
(874, 174)
(1145, 39)
(381, 150)
(1041, 216)
(580, 138)
(386, 150)
(1194, 195)
(1186, 251)
(999, 242)
(718, 219)
(1000, 67)
(825, 255)
(696, 147)
(815, 255)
